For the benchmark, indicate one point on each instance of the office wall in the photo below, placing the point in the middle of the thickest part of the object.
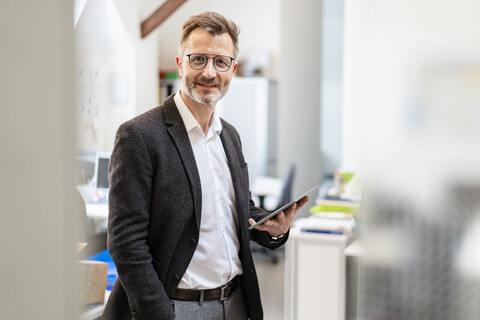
(108, 43)
(146, 51)
(331, 121)
(116, 73)
(299, 92)
(105, 74)
(38, 221)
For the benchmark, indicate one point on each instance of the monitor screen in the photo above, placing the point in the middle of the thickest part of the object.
(100, 178)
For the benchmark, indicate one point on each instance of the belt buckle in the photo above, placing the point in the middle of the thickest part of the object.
(222, 293)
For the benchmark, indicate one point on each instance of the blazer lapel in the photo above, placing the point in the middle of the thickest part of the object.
(180, 137)
(236, 172)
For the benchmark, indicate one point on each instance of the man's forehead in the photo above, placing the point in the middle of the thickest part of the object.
(200, 39)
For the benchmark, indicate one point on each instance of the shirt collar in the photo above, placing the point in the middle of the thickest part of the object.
(190, 121)
(216, 123)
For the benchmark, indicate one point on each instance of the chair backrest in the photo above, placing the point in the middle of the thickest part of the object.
(286, 194)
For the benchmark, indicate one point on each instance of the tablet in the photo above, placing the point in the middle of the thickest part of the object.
(273, 214)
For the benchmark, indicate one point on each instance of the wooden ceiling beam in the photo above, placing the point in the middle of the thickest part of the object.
(160, 15)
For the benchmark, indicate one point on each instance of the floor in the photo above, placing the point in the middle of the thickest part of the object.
(272, 284)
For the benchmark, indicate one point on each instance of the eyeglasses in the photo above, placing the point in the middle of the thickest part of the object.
(199, 61)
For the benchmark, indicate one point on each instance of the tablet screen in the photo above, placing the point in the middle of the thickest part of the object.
(273, 214)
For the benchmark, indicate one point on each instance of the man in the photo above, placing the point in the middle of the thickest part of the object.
(180, 207)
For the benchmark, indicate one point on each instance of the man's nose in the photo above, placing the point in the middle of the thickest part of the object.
(209, 71)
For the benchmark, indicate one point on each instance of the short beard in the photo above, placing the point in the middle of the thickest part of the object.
(210, 99)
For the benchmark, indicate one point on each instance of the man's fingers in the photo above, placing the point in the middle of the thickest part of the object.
(261, 226)
(292, 210)
(302, 202)
(280, 217)
(281, 223)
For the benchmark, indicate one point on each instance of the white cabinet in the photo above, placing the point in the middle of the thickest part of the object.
(315, 276)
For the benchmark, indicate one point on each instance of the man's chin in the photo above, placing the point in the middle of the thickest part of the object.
(209, 99)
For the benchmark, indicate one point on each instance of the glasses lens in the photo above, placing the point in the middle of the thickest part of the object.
(197, 61)
(222, 63)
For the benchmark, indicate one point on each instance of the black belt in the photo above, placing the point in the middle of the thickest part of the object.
(221, 293)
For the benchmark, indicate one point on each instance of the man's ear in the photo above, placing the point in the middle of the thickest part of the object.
(179, 62)
(235, 66)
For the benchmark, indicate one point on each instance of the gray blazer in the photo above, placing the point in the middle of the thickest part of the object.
(155, 210)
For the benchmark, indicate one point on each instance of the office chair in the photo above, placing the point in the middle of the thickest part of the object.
(286, 194)
(285, 197)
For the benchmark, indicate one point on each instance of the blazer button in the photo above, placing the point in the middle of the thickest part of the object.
(192, 243)
(176, 278)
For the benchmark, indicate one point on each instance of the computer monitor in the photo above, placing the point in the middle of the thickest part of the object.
(100, 176)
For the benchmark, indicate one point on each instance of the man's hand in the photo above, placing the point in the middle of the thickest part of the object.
(280, 224)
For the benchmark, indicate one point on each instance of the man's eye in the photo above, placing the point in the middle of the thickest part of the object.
(221, 62)
(198, 59)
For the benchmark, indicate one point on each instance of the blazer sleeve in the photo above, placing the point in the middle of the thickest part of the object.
(131, 178)
(262, 237)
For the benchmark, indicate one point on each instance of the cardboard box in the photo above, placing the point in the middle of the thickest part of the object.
(93, 281)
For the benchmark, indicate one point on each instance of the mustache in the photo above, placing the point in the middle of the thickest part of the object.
(213, 81)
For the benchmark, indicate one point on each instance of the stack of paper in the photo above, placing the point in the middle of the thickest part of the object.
(330, 225)
(329, 206)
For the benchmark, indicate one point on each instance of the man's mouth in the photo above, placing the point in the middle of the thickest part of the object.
(207, 84)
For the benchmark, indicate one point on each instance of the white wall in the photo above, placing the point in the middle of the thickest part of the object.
(299, 92)
(331, 85)
(146, 50)
(259, 23)
(105, 74)
(108, 43)
(38, 221)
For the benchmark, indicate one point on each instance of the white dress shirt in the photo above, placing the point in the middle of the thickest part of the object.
(215, 261)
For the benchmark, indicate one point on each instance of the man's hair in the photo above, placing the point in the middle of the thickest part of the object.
(212, 22)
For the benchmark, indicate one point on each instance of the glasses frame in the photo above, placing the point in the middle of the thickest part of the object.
(206, 61)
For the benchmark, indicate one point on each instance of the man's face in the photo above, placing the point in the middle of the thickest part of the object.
(208, 85)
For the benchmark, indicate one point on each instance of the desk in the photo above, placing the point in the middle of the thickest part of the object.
(315, 266)
(98, 214)
(97, 211)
